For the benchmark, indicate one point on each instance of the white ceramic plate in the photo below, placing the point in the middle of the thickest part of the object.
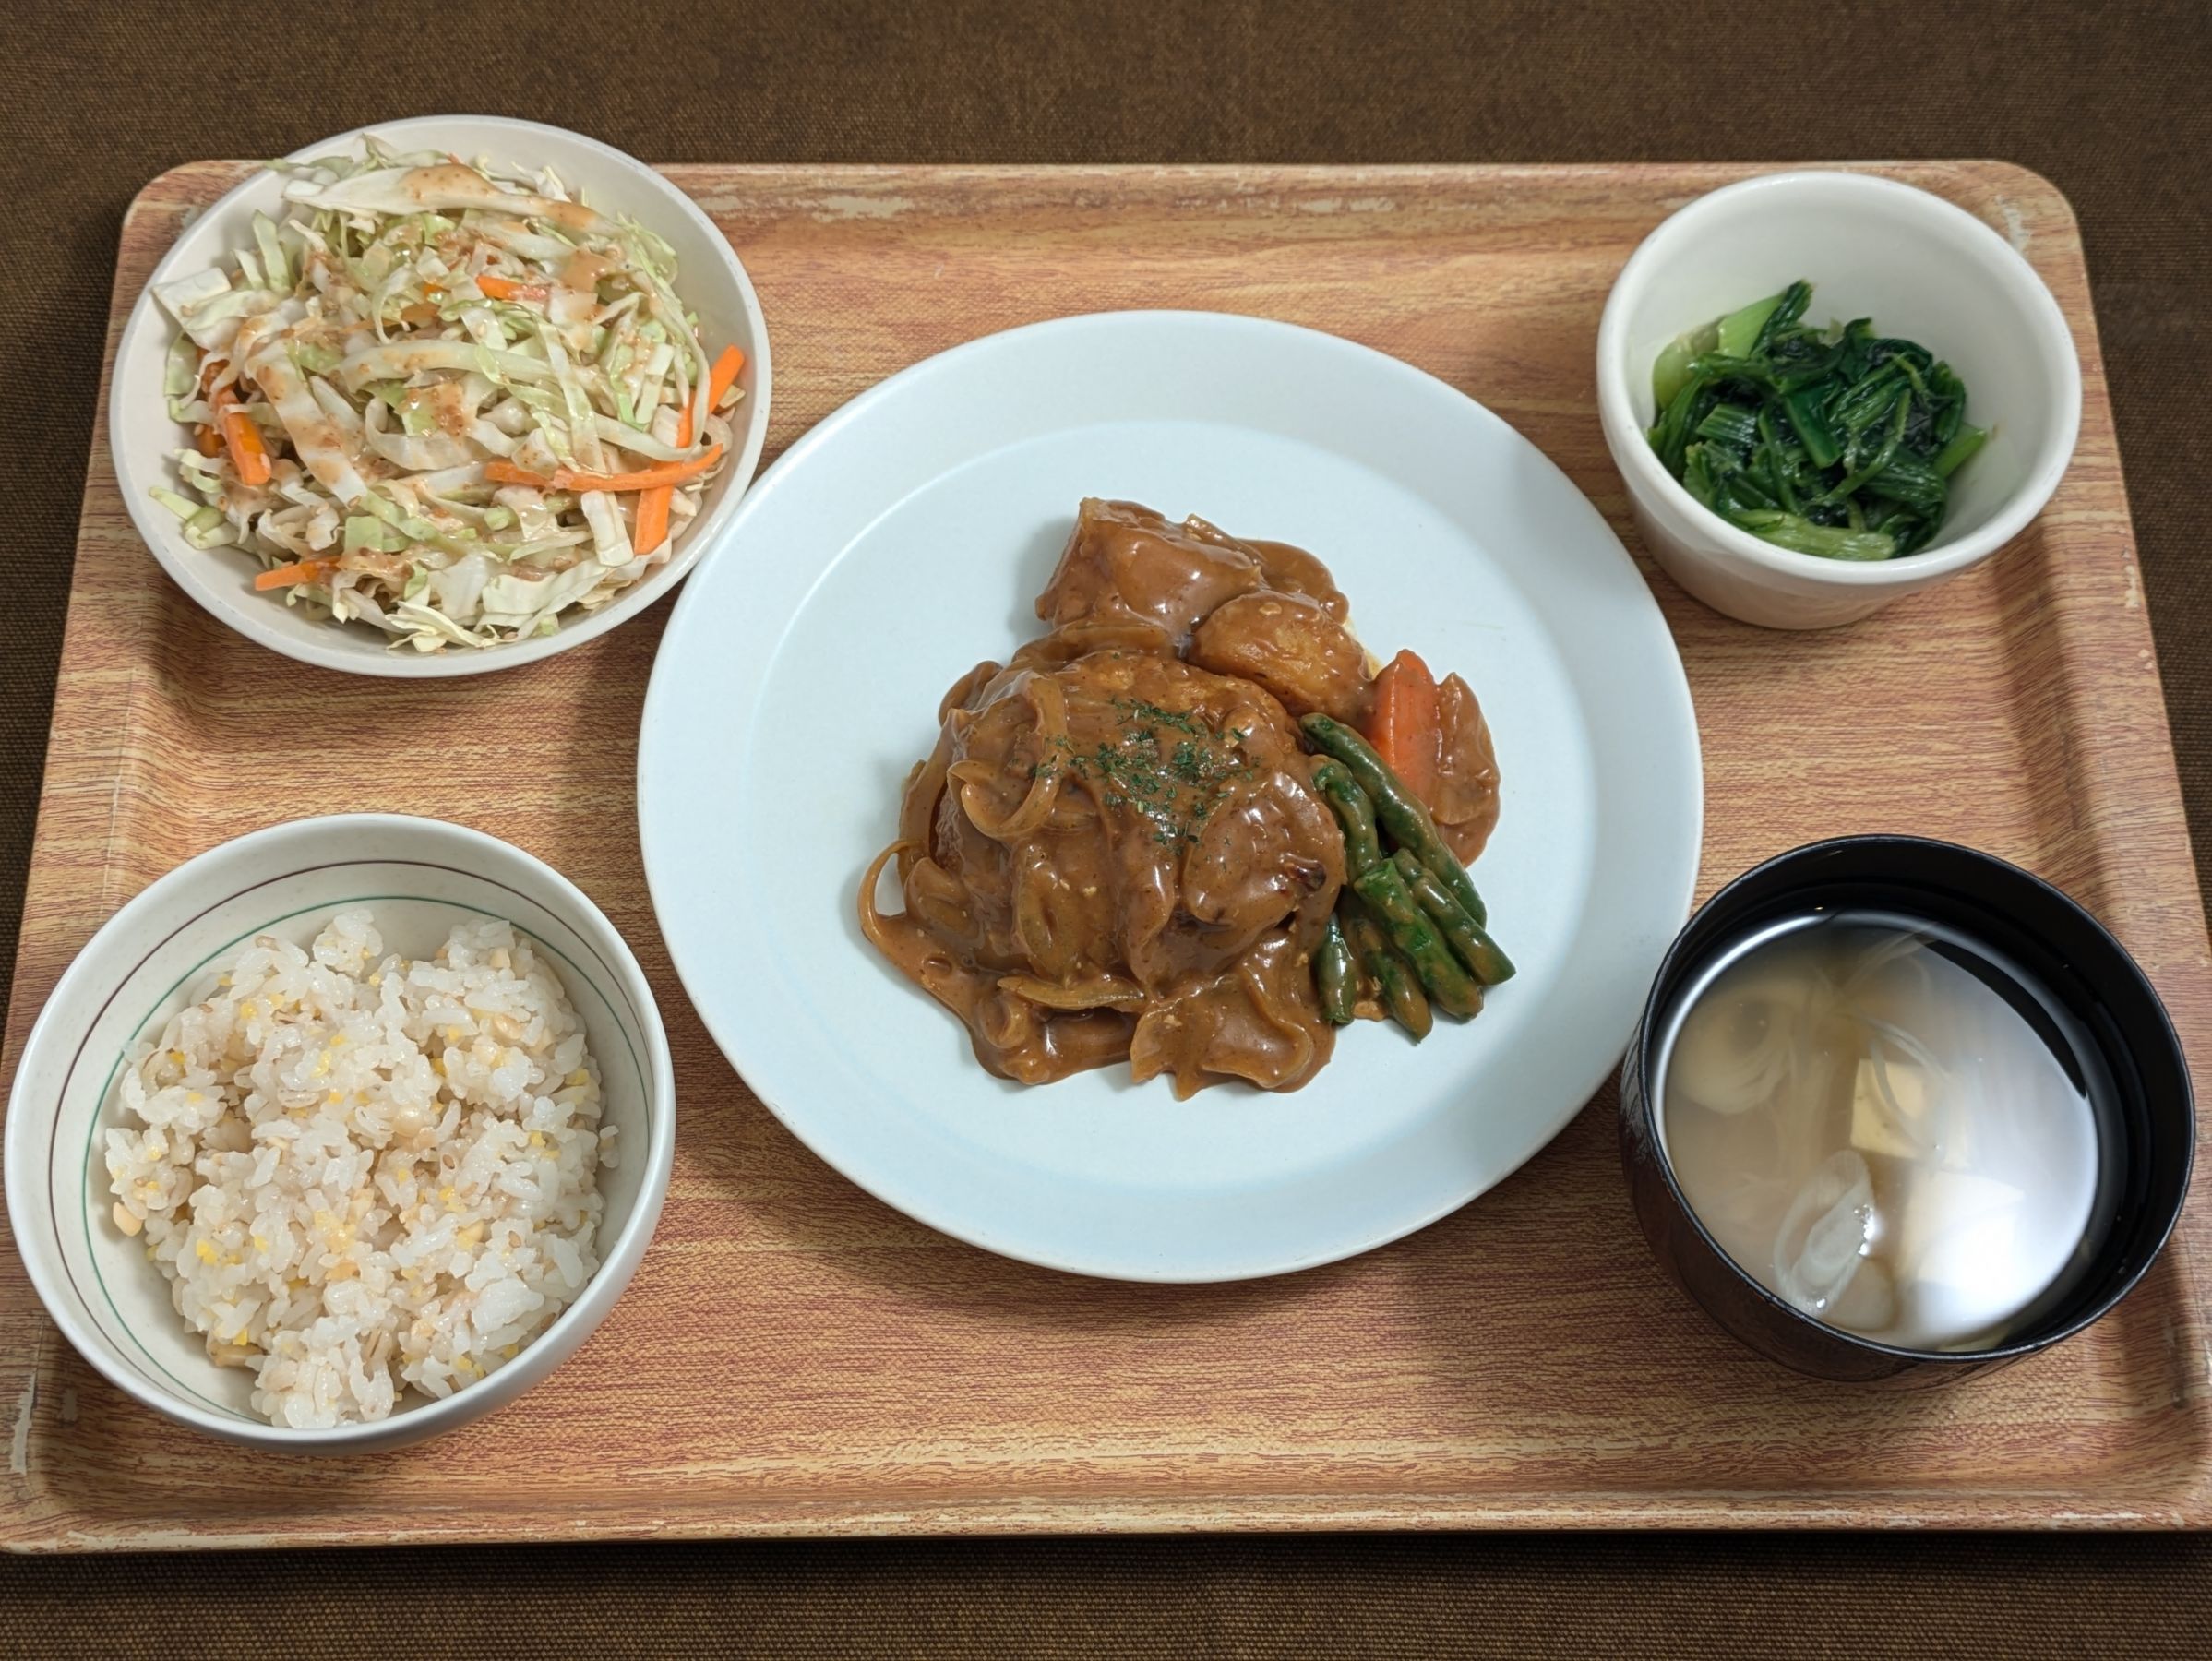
(709, 278)
(906, 538)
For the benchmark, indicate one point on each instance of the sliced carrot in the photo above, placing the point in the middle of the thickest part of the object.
(1404, 727)
(720, 379)
(506, 288)
(303, 570)
(670, 472)
(651, 528)
(208, 438)
(249, 456)
(418, 313)
(653, 506)
(506, 473)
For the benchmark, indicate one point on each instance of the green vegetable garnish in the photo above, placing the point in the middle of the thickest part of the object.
(1396, 808)
(1443, 977)
(1836, 442)
(1469, 940)
(1408, 916)
(1336, 976)
(1400, 986)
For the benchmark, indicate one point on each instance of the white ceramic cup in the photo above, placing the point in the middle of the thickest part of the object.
(1922, 270)
(418, 877)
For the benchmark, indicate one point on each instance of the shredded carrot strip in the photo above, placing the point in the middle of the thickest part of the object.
(248, 454)
(651, 529)
(506, 288)
(654, 505)
(305, 570)
(208, 439)
(671, 473)
(720, 379)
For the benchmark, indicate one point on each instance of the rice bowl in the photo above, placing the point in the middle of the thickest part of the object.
(165, 950)
(362, 1173)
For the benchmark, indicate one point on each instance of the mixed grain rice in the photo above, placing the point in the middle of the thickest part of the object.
(362, 1174)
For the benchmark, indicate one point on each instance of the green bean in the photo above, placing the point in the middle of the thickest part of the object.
(1363, 847)
(1400, 987)
(1448, 983)
(1335, 976)
(1468, 939)
(1397, 807)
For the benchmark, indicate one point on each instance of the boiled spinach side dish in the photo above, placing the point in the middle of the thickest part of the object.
(1838, 442)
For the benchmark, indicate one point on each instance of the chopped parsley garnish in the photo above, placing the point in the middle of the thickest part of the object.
(1174, 781)
(1143, 714)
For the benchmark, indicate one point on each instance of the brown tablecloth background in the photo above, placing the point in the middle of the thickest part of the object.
(2108, 100)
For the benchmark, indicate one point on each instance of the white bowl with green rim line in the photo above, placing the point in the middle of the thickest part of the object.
(418, 877)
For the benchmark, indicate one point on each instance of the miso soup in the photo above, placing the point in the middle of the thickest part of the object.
(1888, 1127)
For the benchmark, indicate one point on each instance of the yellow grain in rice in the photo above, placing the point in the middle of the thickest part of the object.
(354, 1308)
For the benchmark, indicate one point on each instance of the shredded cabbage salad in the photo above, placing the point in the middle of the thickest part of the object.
(447, 401)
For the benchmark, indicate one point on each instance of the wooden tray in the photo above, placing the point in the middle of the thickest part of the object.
(794, 1357)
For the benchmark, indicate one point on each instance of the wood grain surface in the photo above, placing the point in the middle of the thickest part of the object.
(794, 1357)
